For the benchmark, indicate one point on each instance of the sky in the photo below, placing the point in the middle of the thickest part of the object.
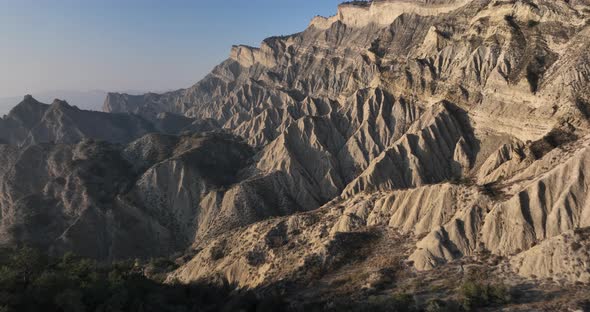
(145, 45)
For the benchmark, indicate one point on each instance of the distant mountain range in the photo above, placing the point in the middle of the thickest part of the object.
(86, 100)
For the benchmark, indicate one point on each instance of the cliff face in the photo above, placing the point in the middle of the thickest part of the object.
(383, 13)
(402, 95)
(458, 128)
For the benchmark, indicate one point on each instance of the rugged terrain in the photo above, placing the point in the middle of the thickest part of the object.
(413, 136)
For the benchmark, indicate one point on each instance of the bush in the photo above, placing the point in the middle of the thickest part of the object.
(398, 302)
(476, 295)
(30, 281)
(532, 23)
(493, 190)
(403, 302)
(554, 139)
(442, 306)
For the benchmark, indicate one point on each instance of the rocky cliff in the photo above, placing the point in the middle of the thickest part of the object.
(403, 96)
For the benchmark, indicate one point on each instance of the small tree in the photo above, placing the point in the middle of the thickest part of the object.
(27, 262)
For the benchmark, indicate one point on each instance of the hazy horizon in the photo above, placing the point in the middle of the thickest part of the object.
(75, 46)
(84, 99)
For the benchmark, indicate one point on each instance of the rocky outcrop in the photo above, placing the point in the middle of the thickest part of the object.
(383, 13)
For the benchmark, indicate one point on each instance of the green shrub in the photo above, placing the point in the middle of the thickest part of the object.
(475, 295)
(443, 306)
(532, 23)
(30, 281)
(398, 303)
(403, 302)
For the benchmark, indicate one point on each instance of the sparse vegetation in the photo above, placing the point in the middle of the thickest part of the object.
(492, 190)
(576, 246)
(532, 23)
(511, 20)
(554, 139)
(443, 306)
(462, 180)
(584, 107)
(357, 3)
(400, 302)
(256, 257)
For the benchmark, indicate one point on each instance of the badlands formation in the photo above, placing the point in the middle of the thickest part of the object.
(426, 135)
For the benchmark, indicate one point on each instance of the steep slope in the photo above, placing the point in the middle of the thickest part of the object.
(489, 95)
(563, 258)
(15, 126)
(433, 150)
(548, 205)
(96, 198)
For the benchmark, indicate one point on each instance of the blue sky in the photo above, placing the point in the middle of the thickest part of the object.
(133, 44)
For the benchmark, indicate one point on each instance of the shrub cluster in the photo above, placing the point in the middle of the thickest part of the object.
(31, 281)
(476, 295)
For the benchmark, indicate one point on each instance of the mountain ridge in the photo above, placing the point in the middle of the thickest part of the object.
(498, 78)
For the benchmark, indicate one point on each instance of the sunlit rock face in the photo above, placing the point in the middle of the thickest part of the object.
(404, 96)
